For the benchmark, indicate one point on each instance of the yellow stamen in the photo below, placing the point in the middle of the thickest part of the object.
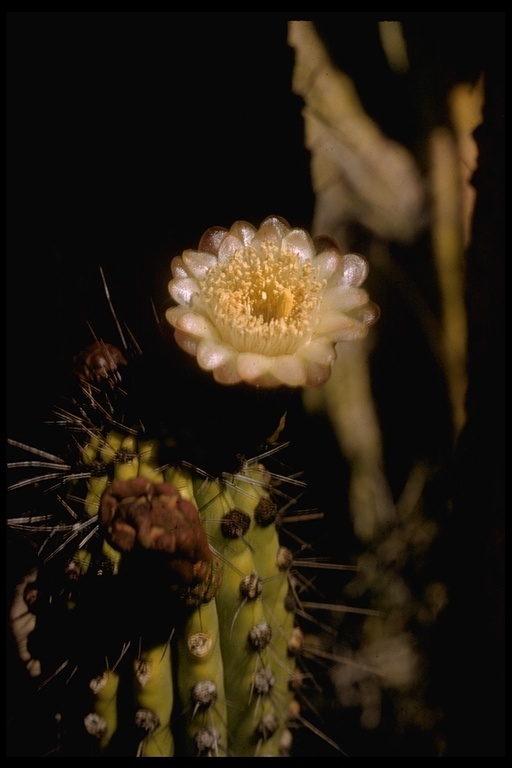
(263, 300)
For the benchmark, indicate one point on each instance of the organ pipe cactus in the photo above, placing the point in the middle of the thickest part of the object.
(162, 604)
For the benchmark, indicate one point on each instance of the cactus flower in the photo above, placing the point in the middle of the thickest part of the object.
(267, 306)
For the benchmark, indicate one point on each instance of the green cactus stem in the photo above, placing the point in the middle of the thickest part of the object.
(162, 610)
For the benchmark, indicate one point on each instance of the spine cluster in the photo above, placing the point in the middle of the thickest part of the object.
(177, 604)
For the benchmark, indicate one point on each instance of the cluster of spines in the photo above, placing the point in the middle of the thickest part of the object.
(225, 673)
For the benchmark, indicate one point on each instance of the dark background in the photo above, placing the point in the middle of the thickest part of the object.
(128, 134)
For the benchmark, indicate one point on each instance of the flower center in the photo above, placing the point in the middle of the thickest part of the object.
(263, 300)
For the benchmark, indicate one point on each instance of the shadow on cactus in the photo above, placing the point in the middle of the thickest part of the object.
(170, 609)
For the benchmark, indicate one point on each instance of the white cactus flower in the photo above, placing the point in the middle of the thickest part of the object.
(267, 306)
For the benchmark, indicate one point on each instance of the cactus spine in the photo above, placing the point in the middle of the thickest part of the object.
(219, 683)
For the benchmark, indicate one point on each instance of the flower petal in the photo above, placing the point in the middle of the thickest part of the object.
(367, 314)
(266, 381)
(319, 351)
(173, 313)
(250, 365)
(353, 270)
(227, 373)
(199, 263)
(290, 370)
(350, 331)
(272, 230)
(212, 354)
(186, 342)
(298, 241)
(275, 223)
(178, 268)
(243, 231)
(329, 321)
(190, 322)
(343, 298)
(228, 247)
(325, 243)
(317, 374)
(333, 323)
(183, 289)
(211, 240)
(326, 263)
